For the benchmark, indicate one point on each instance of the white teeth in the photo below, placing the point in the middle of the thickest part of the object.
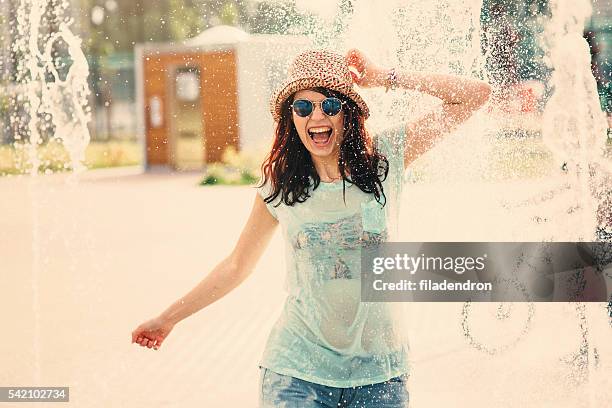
(319, 130)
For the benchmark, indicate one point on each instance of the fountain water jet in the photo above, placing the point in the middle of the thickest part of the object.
(49, 103)
(563, 148)
(51, 94)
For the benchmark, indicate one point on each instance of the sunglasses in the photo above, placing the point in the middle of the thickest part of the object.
(329, 106)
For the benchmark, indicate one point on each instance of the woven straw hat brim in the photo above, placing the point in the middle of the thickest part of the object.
(294, 85)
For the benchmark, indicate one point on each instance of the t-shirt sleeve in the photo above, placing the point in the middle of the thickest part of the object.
(392, 143)
(264, 191)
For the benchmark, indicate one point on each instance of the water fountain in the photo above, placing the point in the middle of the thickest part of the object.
(443, 36)
(48, 104)
(49, 98)
(534, 173)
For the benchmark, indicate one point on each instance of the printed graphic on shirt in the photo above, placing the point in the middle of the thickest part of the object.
(326, 241)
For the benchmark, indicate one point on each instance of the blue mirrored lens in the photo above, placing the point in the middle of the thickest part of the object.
(331, 106)
(302, 107)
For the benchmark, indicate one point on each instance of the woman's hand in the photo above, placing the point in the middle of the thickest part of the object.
(365, 73)
(152, 333)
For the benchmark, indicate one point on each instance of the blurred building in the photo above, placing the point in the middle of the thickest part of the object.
(211, 92)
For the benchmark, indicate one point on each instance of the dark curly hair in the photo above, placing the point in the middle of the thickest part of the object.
(289, 165)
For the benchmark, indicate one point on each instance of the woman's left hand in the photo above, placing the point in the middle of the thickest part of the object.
(364, 72)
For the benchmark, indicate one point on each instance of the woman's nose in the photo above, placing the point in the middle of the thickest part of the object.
(317, 112)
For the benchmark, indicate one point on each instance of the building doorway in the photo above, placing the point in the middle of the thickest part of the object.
(187, 145)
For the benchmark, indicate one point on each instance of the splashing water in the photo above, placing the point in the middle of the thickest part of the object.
(48, 103)
(574, 135)
(445, 36)
(441, 36)
(532, 162)
(50, 96)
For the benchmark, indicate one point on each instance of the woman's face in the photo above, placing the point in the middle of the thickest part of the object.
(320, 134)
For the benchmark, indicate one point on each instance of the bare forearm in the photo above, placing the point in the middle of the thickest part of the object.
(451, 89)
(218, 283)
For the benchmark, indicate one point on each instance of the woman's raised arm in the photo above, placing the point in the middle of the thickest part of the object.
(227, 275)
(460, 96)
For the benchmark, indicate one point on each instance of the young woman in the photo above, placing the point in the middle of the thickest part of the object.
(334, 190)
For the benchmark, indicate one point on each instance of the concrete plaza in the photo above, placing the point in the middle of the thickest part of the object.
(82, 264)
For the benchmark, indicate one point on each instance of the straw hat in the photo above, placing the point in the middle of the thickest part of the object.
(317, 68)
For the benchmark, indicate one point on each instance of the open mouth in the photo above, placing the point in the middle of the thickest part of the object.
(320, 135)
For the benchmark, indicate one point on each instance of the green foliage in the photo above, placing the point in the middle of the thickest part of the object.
(277, 17)
(113, 154)
(14, 159)
(218, 173)
(185, 20)
(4, 106)
(236, 168)
(229, 14)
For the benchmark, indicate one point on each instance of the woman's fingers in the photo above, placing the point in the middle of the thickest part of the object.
(355, 59)
(358, 66)
(356, 76)
(153, 342)
(351, 56)
(151, 334)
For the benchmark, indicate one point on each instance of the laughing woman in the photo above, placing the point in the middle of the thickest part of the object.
(334, 190)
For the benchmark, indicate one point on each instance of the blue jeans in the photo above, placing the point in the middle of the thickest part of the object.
(281, 391)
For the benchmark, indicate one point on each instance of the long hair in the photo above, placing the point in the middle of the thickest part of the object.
(289, 165)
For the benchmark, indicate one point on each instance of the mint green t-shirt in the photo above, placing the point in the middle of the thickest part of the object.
(325, 334)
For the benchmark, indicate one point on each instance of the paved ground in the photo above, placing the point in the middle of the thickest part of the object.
(81, 265)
